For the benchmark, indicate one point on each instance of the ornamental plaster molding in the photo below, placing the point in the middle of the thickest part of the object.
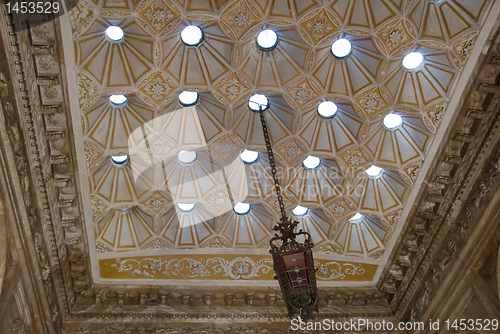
(37, 130)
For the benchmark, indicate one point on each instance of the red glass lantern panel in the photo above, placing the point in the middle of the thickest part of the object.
(296, 268)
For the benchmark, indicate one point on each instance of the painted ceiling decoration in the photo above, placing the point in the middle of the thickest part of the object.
(135, 205)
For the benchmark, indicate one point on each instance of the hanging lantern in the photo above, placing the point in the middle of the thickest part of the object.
(293, 260)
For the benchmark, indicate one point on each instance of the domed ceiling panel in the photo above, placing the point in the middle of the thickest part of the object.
(351, 75)
(365, 237)
(249, 182)
(331, 136)
(135, 205)
(187, 229)
(115, 65)
(250, 230)
(317, 225)
(125, 231)
(318, 186)
(112, 126)
(377, 196)
(198, 67)
(248, 128)
(400, 146)
(275, 69)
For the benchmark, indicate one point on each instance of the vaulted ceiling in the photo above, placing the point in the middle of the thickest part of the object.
(135, 230)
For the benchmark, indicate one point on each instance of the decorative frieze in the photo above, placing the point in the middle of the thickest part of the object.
(223, 267)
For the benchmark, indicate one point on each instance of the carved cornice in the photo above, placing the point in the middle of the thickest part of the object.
(38, 130)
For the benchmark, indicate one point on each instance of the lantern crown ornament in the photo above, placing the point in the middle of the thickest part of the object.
(293, 260)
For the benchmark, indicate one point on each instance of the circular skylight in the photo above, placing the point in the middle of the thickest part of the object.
(267, 40)
(188, 98)
(392, 121)
(327, 109)
(257, 102)
(186, 157)
(373, 171)
(311, 162)
(242, 208)
(118, 99)
(300, 211)
(114, 33)
(249, 157)
(119, 159)
(356, 217)
(341, 48)
(185, 207)
(412, 60)
(192, 36)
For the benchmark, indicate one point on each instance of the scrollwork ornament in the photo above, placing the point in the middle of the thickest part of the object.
(334, 270)
(237, 268)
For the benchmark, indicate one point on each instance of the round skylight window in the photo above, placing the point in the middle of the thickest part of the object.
(311, 162)
(187, 157)
(249, 157)
(118, 99)
(192, 36)
(341, 48)
(188, 98)
(242, 208)
(356, 217)
(185, 207)
(300, 211)
(267, 40)
(119, 159)
(373, 171)
(412, 60)
(392, 121)
(114, 33)
(257, 102)
(327, 109)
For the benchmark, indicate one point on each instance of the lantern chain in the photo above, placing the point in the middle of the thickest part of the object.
(273, 165)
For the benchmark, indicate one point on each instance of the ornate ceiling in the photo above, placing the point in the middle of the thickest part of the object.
(136, 231)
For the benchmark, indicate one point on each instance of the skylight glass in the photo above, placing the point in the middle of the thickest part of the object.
(267, 39)
(257, 102)
(356, 217)
(311, 162)
(249, 157)
(185, 207)
(327, 109)
(373, 171)
(187, 98)
(187, 157)
(392, 121)
(118, 99)
(300, 211)
(412, 60)
(341, 48)
(242, 208)
(119, 159)
(114, 33)
(192, 36)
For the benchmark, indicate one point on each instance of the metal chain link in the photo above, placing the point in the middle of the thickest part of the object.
(273, 164)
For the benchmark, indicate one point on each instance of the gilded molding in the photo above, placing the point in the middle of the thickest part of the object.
(225, 267)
